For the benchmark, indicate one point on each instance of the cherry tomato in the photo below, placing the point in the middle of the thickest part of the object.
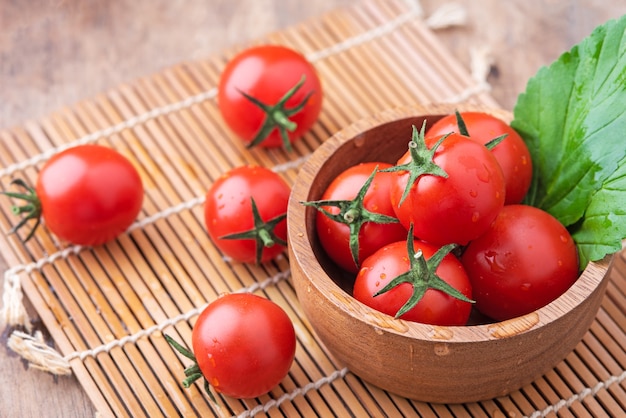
(86, 195)
(230, 216)
(512, 153)
(243, 345)
(454, 208)
(524, 261)
(435, 306)
(335, 236)
(252, 92)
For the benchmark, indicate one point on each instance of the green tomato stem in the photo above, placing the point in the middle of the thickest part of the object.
(422, 276)
(422, 161)
(262, 232)
(278, 116)
(32, 208)
(354, 214)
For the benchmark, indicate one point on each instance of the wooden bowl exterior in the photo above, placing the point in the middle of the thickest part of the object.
(423, 362)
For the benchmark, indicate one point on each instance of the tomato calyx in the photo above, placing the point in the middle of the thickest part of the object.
(32, 207)
(463, 131)
(262, 232)
(353, 214)
(422, 276)
(421, 162)
(277, 116)
(192, 372)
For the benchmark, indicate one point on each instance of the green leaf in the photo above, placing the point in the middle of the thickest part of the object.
(573, 119)
(604, 223)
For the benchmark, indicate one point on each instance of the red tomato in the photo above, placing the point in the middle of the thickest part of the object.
(523, 262)
(243, 345)
(512, 153)
(453, 209)
(435, 307)
(87, 195)
(335, 236)
(228, 210)
(267, 73)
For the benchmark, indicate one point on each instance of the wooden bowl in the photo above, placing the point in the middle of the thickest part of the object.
(439, 364)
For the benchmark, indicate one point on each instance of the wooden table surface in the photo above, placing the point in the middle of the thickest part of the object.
(54, 53)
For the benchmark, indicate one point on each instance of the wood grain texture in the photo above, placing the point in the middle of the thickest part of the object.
(53, 54)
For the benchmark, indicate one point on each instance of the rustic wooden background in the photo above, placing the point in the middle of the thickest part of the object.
(56, 52)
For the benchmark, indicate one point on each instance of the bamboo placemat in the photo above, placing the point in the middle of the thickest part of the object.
(106, 307)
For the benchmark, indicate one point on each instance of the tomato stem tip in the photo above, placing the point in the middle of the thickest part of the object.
(422, 275)
(278, 116)
(32, 207)
(263, 232)
(353, 214)
(421, 162)
(192, 372)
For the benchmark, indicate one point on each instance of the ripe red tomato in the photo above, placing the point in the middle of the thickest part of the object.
(453, 209)
(524, 261)
(87, 195)
(230, 214)
(243, 345)
(335, 236)
(512, 153)
(435, 307)
(263, 76)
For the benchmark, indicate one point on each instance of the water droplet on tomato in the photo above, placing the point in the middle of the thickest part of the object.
(215, 383)
(211, 359)
(475, 216)
(383, 276)
(491, 257)
(525, 287)
(473, 193)
(563, 238)
(483, 175)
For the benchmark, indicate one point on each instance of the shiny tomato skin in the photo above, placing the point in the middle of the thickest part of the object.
(335, 236)
(228, 210)
(523, 262)
(244, 344)
(456, 209)
(512, 153)
(267, 72)
(435, 308)
(89, 194)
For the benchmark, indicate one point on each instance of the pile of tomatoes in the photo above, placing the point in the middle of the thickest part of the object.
(443, 229)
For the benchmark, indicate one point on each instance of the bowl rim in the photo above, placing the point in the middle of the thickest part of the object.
(588, 282)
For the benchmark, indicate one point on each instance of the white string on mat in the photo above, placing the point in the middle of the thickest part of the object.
(567, 403)
(112, 130)
(275, 403)
(43, 357)
(452, 11)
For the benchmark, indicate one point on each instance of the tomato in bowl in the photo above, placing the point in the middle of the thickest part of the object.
(432, 363)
